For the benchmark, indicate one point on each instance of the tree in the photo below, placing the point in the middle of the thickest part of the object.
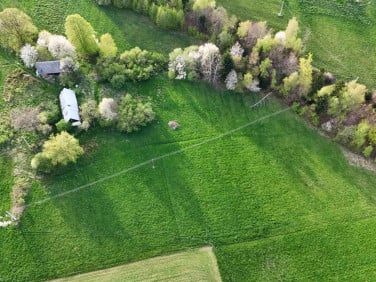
(60, 149)
(29, 55)
(231, 80)
(305, 74)
(350, 97)
(210, 62)
(291, 35)
(81, 34)
(60, 47)
(44, 38)
(16, 29)
(134, 113)
(108, 109)
(107, 46)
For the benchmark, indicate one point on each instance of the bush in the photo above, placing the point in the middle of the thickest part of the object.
(108, 110)
(134, 113)
(63, 125)
(118, 81)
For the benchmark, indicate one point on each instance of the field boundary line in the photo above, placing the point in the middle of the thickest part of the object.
(152, 160)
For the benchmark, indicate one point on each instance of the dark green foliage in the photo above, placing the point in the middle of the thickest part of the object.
(133, 113)
(118, 81)
(62, 125)
(368, 96)
(228, 65)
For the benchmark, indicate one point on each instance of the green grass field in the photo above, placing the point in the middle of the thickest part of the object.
(273, 178)
(340, 34)
(191, 265)
(5, 183)
(275, 199)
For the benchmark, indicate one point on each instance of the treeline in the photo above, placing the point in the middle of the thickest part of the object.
(247, 56)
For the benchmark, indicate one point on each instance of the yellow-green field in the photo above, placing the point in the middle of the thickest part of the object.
(192, 265)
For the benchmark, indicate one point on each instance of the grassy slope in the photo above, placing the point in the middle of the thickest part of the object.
(262, 181)
(191, 265)
(342, 40)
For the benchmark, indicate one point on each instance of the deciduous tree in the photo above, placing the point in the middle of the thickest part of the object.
(81, 34)
(29, 55)
(60, 149)
(16, 29)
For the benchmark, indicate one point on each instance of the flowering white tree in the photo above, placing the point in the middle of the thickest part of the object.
(231, 80)
(60, 47)
(236, 50)
(108, 109)
(180, 67)
(183, 64)
(43, 38)
(210, 62)
(29, 55)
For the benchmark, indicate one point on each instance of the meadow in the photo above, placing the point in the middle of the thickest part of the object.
(276, 200)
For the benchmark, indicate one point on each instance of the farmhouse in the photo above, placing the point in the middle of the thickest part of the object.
(69, 106)
(48, 68)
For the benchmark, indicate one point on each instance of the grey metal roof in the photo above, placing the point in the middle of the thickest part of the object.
(49, 67)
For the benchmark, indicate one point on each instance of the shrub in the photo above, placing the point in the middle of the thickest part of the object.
(63, 125)
(367, 151)
(231, 80)
(89, 114)
(108, 109)
(118, 81)
(107, 46)
(134, 113)
(29, 55)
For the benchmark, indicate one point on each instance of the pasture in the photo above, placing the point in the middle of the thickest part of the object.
(274, 198)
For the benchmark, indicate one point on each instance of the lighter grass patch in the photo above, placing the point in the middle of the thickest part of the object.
(192, 265)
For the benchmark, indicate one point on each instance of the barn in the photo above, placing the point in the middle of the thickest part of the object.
(69, 106)
(48, 68)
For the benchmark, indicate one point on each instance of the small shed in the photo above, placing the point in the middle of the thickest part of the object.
(48, 68)
(69, 106)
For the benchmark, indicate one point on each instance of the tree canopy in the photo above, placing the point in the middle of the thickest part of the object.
(81, 34)
(60, 149)
(16, 29)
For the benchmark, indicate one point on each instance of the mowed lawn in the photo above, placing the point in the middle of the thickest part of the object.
(274, 178)
(340, 34)
(192, 265)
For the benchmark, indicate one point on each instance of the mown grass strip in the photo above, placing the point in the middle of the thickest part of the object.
(191, 265)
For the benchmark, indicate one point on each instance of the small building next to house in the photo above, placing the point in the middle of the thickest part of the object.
(48, 68)
(69, 106)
